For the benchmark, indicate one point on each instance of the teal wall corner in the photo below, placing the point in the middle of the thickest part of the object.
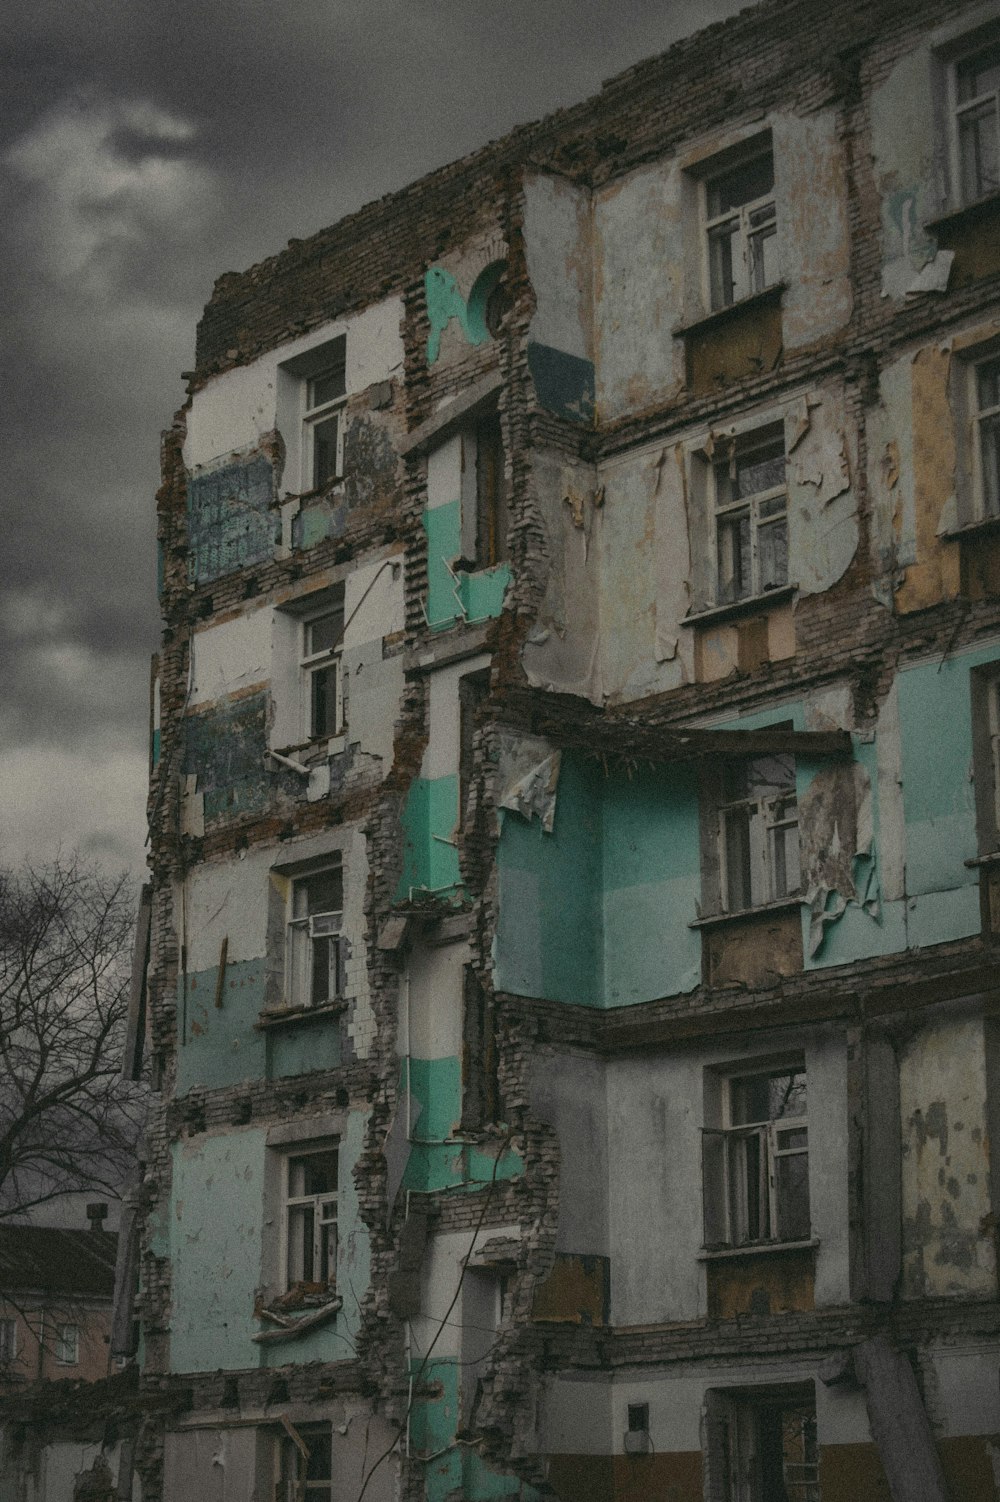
(430, 857)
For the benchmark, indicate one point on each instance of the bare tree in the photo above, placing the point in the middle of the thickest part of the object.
(67, 1122)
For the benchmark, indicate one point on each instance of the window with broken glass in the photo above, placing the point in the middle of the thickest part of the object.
(305, 1463)
(311, 1224)
(758, 832)
(322, 638)
(756, 1165)
(751, 516)
(315, 952)
(976, 105)
(323, 421)
(762, 1446)
(741, 229)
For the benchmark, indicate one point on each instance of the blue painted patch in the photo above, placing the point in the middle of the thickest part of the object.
(563, 383)
(230, 522)
(224, 748)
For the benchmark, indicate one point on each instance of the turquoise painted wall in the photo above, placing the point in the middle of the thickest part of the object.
(220, 1046)
(549, 939)
(431, 810)
(460, 1470)
(215, 1244)
(436, 1162)
(472, 597)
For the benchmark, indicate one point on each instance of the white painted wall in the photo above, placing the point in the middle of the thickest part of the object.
(558, 244)
(435, 1000)
(234, 409)
(231, 655)
(227, 898)
(441, 753)
(656, 1111)
(444, 473)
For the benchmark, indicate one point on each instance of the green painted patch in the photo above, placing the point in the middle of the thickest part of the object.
(430, 858)
(456, 1470)
(445, 302)
(306, 1046)
(224, 747)
(443, 525)
(220, 1046)
(563, 383)
(437, 1162)
(482, 594)
(229, 518)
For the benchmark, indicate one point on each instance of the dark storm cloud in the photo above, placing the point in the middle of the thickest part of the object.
(144, 149)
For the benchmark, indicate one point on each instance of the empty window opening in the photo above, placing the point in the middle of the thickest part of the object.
(311, 1223)
(756, 1165)
(986, 455)
(751, 516)
(315, 945)
(763, 1448)
(305, 1464)
(741, 230)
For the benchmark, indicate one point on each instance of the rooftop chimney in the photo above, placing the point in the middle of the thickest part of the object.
(97, 1214)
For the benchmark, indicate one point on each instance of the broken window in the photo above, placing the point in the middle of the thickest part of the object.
(762, 1446)
(305, 1464)
(756, 1163)
(741, 230)
(315, 953)
(311, 1223)
(976, 129)
(323, 420)
(754, 828)
(322, 638)
(751, 516)
(484, 494)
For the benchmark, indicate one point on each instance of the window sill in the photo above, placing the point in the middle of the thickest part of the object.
(969, 213)
(732, 610)
(288, 1016)
(711, 920)
(985, 527)
(767, 298)
(755, 1249)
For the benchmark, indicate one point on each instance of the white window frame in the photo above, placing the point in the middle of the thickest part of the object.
(313, 415)
(766, 819)
(289, 1457)
(311, 663)
(732, 1182)
(68, 1345)
(8, 1340)
(984, 419)
(957, 109)
(755, 506)
(303, 932)
(319, 1203)
(744, 235)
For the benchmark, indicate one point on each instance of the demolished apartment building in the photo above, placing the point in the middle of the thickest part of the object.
(576, 808)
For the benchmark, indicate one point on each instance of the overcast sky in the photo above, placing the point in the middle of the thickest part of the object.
(145, 149)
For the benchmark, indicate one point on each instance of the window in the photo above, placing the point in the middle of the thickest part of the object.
(323, 421)
(985, 686)
(322, 637)
(758, 832)
(67, 1345)
(986, 441)
(8, 1341)
(751, 516)
(756, 1164)
(315, 954)
(741, 230)
(763, 1446)
(976, 123)
(305, 1465)
(484, 494)
(311, 1223)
